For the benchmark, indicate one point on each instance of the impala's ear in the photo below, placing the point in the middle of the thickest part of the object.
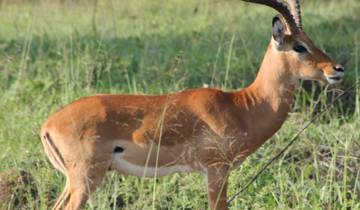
(278, 30)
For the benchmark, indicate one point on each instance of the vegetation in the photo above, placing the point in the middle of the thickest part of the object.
(52, 53)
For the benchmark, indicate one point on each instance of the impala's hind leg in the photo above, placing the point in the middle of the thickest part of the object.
(83, 179)
(83, 167)
(63, 198)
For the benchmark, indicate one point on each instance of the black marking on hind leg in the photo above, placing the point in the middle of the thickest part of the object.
(47, 136)
(118, 149)
(54, 149)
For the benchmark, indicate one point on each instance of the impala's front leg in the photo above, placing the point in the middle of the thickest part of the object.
(217, 177)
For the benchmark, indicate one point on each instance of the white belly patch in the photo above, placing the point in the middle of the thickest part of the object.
(120, 164)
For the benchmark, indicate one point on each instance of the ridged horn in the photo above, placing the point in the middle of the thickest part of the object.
(295, 9)
(284, 10)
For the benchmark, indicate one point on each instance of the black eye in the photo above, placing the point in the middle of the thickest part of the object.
(299, 48)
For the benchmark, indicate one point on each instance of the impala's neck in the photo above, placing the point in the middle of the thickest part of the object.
(274, 83)
(269, 98)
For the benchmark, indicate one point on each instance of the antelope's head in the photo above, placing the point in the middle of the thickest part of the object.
(304, 59)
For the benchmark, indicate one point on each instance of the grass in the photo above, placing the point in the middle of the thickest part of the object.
(52, 53)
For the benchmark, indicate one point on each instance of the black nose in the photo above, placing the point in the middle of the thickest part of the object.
(339, 68)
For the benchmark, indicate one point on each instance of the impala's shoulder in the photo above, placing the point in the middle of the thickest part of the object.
(206, 96)
(202, 91)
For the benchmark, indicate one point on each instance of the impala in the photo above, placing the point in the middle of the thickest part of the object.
(201, 130)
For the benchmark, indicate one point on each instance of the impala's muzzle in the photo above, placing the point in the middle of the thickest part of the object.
(336, 76)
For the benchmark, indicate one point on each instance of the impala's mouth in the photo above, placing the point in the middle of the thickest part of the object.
(334, 79)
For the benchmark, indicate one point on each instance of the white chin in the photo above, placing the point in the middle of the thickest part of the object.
(333, 81)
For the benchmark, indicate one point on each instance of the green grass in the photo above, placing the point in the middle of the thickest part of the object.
(51, 54)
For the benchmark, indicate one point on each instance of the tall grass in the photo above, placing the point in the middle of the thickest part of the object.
(52, 53)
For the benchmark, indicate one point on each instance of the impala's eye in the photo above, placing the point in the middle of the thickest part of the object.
(299, 48)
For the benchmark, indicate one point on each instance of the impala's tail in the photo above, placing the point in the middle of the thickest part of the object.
(53, 152)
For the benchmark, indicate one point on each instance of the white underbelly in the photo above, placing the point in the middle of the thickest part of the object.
(126, 167)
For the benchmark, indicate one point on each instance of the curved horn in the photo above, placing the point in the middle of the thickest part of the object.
(282, 9)
(295, 11)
